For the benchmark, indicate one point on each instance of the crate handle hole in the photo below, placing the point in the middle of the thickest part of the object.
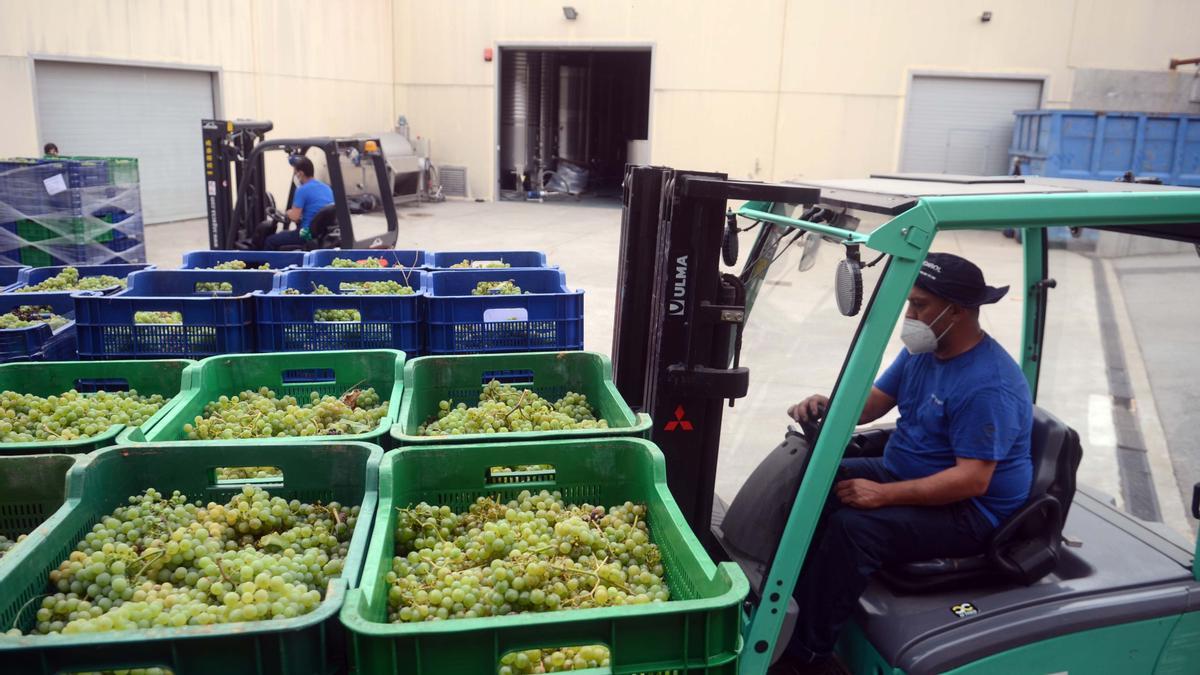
(594, 659)
(513, 377)
(308, 376)
(148, 668)
(520, 474)
(91, 385)
(206, 288)
(226, 476)
(505, 314)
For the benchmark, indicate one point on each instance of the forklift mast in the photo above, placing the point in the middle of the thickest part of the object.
(227, 145)
(677, 358)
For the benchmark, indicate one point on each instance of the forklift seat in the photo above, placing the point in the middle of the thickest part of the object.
(1026, 546)
(324, 229)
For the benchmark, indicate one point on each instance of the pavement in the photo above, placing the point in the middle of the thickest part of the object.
(796, 338)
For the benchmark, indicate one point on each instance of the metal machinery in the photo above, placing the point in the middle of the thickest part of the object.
(1068, 583)
(239, 203)
(410, 172)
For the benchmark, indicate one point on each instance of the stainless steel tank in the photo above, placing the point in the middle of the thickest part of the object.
(572, 89)
(520, 73)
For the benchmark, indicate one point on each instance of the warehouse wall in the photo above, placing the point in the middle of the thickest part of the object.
(313, 68)
(771, 89)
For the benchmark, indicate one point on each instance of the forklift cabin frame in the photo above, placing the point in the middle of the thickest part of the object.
(906, 239)
(237, 201)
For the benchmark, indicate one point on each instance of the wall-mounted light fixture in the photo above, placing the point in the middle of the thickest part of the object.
(570, 13)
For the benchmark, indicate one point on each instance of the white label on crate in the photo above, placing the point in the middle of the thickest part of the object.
(212, 188)
(486, 263)
(503, 314)
(55, 184)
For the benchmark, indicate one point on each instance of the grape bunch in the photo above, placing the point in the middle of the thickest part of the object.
(29, 315)
(166, 562)
(490, 264)
(214, 287)
(238, 265)
(318, 289)
(503, 408)
(69, 280)
(262, 414)
(554, 660)
(70, 416)
(365, 262)
(509, 287)
(386, 287)
(160, 318)
(6, 544)
(535, 553)
(247, 472)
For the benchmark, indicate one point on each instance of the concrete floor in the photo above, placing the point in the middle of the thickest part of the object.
(796, 339)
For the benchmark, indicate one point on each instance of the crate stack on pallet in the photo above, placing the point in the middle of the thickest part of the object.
(70, 211)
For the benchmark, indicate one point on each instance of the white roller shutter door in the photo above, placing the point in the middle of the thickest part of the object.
(963, 125)
(152, 114)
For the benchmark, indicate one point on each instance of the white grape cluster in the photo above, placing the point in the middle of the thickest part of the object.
(262, 414)
(386, 287)
(559, 660)
(365, 262)
(167, 562)
(69, 280)
(491, 264)
(509, 287)
(6, 544)
(71, 415)
(238, 265)
(247, 472)
(29, 315)
(160, 318)
(214, 287)
(503, 408)
(535, 553)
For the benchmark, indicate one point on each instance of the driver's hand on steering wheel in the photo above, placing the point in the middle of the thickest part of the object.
(810, 409)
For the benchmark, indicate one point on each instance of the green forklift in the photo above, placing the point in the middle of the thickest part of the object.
(1068, 584)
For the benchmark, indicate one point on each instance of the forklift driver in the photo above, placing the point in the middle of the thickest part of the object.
(955, 467)
(311, 196)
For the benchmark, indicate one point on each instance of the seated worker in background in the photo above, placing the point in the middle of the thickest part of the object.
(311, 196)
(956, 466)
(50, 150)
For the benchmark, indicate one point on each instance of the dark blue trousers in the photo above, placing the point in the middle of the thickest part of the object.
(851, 544)
(284, 238)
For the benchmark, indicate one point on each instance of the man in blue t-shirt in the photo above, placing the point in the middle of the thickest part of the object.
(311, 196)
(955, 467)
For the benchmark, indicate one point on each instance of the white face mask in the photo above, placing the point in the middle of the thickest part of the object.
(296, 179)
(919, 336)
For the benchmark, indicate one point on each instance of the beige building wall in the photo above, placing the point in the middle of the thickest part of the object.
(763, 89)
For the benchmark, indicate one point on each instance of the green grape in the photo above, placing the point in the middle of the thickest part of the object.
(237, 265)
(509, 287)
(486, 265)
(535, 553)
(71, 415)
(365, 262)
(243, 472)
(388, 287)
(69, 280)
(214, 287)
(262, 414)
(554, 660)
(6, 544)
(29, 315)
(163, 318)
(503, 408)
(164, 561)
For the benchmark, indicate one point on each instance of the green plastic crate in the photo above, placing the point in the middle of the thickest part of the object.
(54, 377)
(431, 379)
(697, 631)
(295, 373)
(312, 643)
(32, 488)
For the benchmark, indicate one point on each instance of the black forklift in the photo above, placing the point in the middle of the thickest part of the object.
(1068, 583)
(242, 213)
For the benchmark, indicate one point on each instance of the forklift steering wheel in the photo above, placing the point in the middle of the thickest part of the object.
(275, 215)
(812, 428)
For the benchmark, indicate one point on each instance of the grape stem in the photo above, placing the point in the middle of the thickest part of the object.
(17, 616)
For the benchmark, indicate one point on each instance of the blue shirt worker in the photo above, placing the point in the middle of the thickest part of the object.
(311, 196)
(955, 467)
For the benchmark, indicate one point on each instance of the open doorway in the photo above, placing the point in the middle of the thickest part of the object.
(569, 121)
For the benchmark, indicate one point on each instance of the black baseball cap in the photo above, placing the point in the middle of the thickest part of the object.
(958, 280)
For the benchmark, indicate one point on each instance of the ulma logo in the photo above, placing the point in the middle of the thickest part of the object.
(679, 293)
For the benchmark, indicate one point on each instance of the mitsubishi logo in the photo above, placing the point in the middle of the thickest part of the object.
(678, 422)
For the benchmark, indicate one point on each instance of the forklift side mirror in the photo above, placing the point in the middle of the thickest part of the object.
(1196, 501)
(848, 286)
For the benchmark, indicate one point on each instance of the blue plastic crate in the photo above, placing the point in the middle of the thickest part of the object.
(287, 323)
(442, 260)
(36, 275)
(547, 317)
(9, 275)
(324, 257)
(1104, 145)
(278, 260)
(38, 343)
(213, 323)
